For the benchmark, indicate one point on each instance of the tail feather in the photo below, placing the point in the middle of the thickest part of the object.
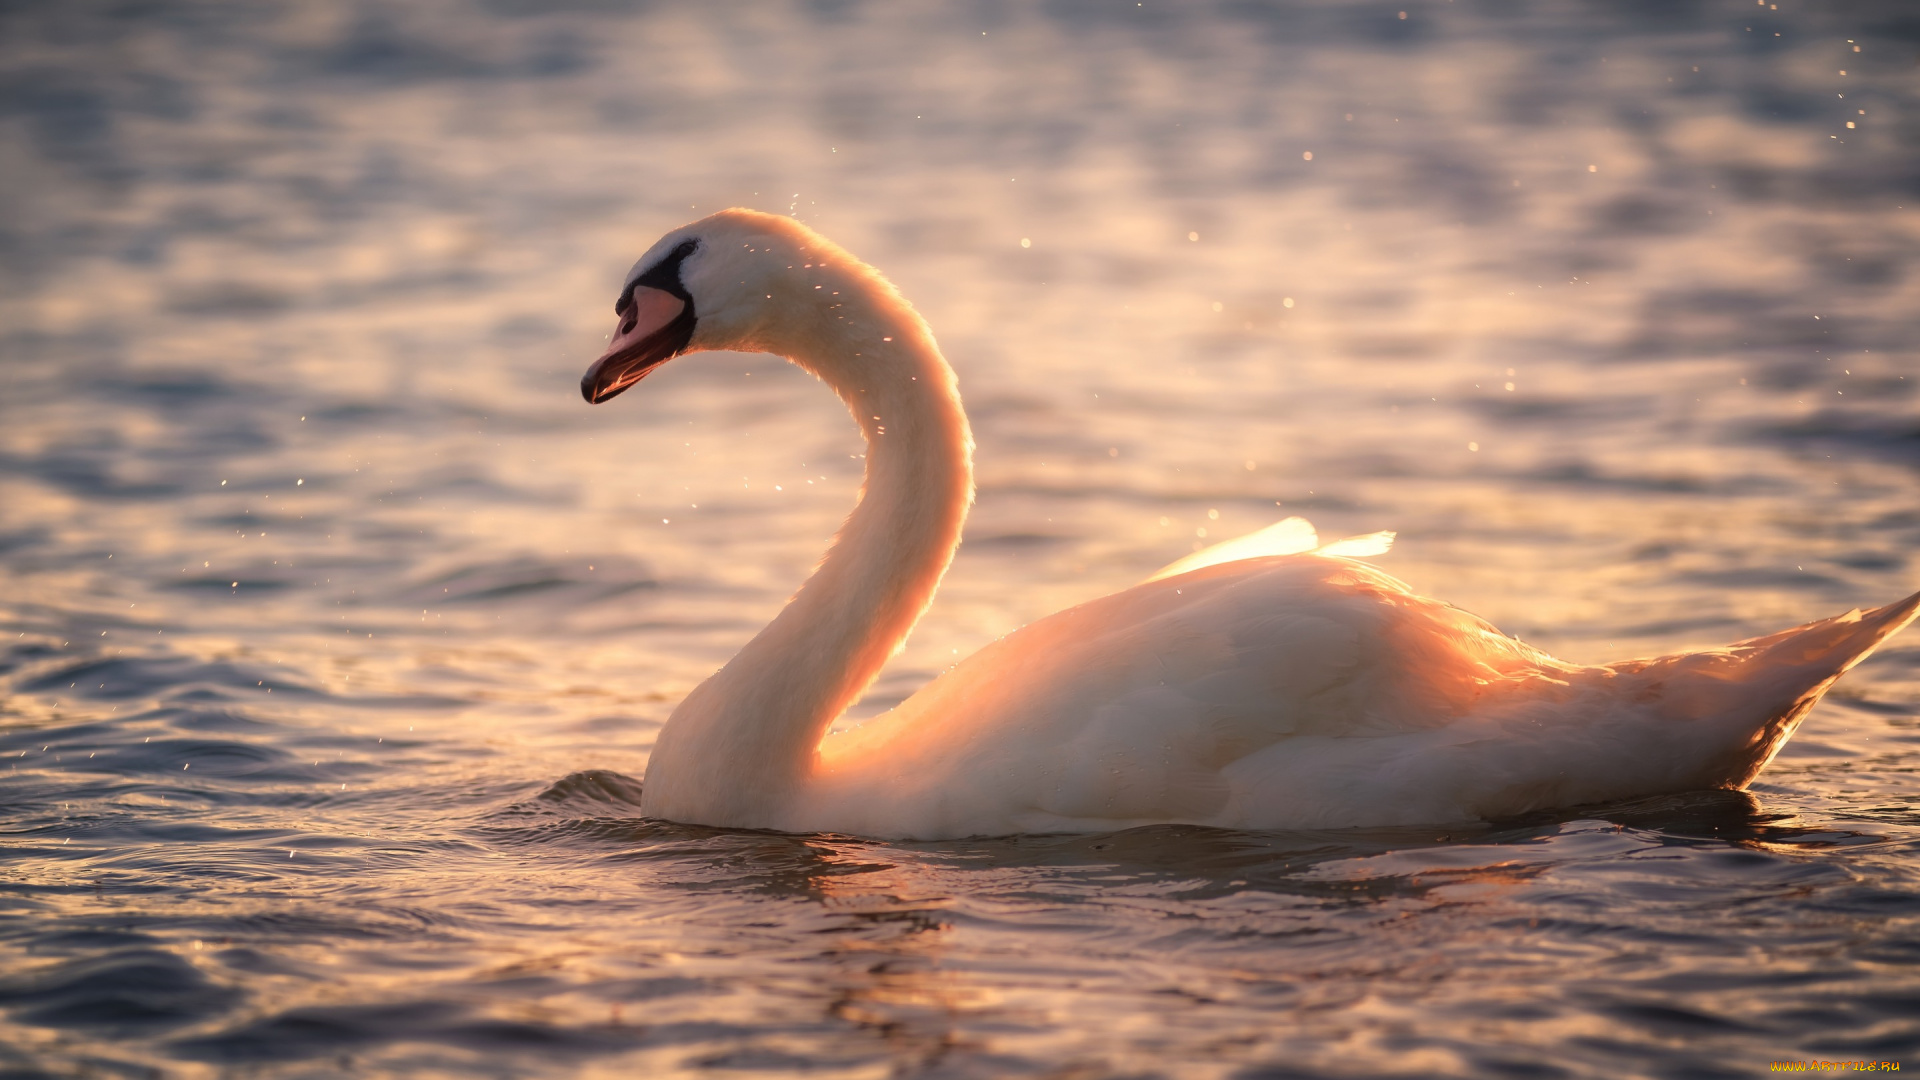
(1837, 643)
(1736, 706)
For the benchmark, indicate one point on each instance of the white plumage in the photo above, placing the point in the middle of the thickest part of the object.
(1263, 683)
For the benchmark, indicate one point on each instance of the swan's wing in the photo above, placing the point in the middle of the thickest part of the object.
(1289, 537)
(1357, 547)
(1136, 706)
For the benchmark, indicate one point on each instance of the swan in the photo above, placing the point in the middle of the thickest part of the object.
(1262, 684)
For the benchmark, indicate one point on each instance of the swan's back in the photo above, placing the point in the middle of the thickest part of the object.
(1309, 691)
(1138, 706)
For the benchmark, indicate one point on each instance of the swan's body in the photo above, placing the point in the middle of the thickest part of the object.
(1281, 691)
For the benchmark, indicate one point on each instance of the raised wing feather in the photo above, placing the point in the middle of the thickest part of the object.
(1290, 536)
(1358, 547)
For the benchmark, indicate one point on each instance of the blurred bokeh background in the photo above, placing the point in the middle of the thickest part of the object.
(1611, 310)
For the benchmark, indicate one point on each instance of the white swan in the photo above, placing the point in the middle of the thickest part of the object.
(1275, 691)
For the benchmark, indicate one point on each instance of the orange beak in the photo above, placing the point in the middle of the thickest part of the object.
(655, 326)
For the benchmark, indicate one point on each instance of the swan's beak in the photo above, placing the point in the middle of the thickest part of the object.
(655, 326)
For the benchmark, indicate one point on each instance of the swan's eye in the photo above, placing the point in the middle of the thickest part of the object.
(663, 275)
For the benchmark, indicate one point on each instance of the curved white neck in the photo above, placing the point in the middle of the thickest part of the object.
(744, 741)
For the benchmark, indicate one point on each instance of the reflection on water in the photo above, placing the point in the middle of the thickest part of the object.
(336, 629)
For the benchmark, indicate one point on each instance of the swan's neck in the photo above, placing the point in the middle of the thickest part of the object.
(742, 744)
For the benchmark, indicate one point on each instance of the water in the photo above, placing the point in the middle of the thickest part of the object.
(337, 628)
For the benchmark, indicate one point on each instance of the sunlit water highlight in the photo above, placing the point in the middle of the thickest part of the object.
(337, 628)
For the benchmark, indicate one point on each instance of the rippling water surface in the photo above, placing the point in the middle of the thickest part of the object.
(337, 629)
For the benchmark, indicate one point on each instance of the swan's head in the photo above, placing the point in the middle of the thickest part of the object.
(739, 279)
